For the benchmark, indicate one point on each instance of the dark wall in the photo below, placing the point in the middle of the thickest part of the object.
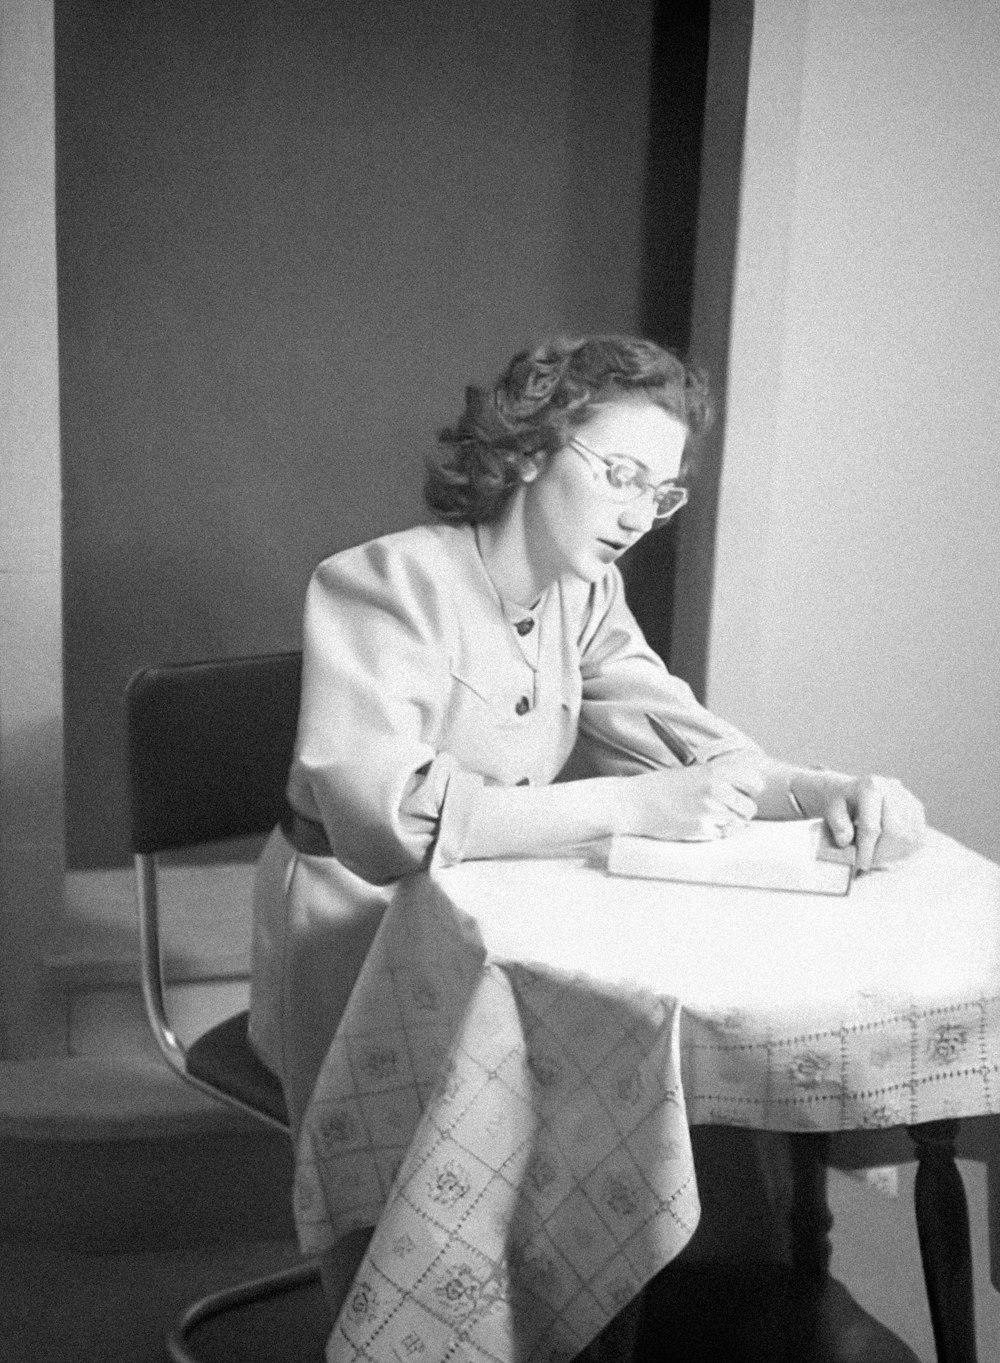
(673, 183)
(288, 235)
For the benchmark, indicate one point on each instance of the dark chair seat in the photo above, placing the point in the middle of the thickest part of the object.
(224, 1058)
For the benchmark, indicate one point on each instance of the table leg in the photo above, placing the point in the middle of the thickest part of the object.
(810, 1219)
(945, 1249)
(824, 1322)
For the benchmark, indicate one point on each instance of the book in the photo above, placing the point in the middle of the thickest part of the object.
(795, 855)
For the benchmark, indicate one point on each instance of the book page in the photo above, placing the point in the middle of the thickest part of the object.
(796, 855)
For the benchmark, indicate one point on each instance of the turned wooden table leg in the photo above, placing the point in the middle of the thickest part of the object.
(810, 1218)
(945, 1249)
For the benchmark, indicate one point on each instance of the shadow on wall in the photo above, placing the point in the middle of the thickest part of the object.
(288, 236)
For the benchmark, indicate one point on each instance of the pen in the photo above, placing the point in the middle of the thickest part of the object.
(671, 739)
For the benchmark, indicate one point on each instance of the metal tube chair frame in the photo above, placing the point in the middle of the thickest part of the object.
(209, 747)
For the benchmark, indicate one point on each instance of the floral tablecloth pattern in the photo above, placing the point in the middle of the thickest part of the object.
(519, 1136)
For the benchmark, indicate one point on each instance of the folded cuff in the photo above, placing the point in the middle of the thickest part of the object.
(458, 810)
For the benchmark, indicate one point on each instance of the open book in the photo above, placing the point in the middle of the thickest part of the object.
(794, 855)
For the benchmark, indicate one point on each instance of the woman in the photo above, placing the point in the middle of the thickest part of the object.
(457, 674)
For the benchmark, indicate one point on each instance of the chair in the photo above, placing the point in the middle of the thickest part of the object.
(209, 747)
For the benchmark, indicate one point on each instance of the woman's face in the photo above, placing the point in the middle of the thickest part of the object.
(571, 525)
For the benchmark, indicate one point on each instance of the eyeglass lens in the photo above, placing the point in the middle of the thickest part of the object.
(666, 501)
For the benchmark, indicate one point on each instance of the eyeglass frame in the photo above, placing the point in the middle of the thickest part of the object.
(642, 485)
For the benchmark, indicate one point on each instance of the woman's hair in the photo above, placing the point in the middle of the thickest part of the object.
(542, 396)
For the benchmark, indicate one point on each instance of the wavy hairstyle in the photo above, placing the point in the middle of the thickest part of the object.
(542, 396)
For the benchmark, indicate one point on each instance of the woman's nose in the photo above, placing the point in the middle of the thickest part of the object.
(637, 516)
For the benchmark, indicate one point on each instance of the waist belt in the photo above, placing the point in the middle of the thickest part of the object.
(305, 835)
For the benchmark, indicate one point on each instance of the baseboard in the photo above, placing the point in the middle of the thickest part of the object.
(89, 1098)
(205, 924)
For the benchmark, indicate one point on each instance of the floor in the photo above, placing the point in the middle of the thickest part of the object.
(104, 1243)
(64, 1298)
(117, 1308)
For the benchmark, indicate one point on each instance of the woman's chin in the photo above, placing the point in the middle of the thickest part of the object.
(592, 570)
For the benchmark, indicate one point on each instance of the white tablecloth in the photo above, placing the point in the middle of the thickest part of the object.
(508, 1097)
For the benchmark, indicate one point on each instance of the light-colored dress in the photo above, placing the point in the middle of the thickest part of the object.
(420, 686)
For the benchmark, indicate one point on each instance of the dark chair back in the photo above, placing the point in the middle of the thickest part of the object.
(209, 748)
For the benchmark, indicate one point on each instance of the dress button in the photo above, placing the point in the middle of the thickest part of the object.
(524, 627)
(523, 706)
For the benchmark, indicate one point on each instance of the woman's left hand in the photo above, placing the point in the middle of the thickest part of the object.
(878, 814)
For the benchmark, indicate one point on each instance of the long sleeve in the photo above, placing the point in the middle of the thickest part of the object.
(375, 684)
(623, 680)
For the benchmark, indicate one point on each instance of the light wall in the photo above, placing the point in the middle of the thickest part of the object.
(856, 603)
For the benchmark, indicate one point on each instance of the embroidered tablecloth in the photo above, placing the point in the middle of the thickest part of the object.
(508, 1097)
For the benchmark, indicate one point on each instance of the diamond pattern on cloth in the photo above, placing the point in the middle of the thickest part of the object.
(520, 1144)
(878, 1066)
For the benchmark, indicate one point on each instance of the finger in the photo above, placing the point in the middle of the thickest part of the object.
(868, 826)
(718, 820)
(706, 829)
(733, 802)
(890, 847)
(732, 828)
(727, 820)
(750, 783)
(839, 822)
(903, 827)
(731, 794)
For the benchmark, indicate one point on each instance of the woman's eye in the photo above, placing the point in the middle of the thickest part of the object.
(623, 475)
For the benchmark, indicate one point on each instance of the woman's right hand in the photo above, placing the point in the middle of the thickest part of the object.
(685, 804)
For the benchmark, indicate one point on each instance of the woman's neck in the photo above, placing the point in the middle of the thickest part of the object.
(504, 551)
